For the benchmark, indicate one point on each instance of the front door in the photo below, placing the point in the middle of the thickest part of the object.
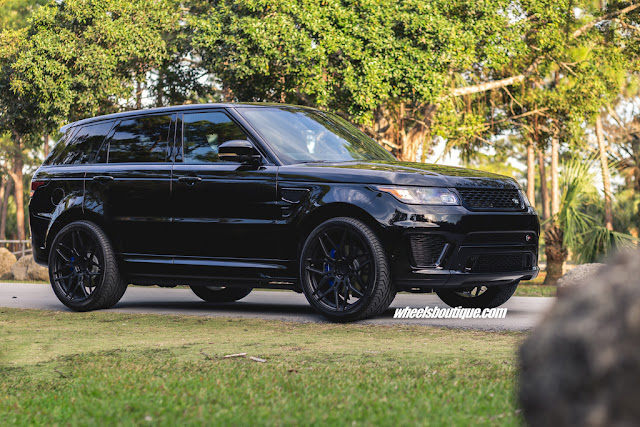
(224, 213)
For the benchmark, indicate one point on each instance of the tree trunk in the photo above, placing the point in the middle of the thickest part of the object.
(555, 183)
(544, 192)
(531, 174)
(5, 206)
(160, 88)
(3, 189)
(606, 179)
(46, 145)
(556, 253)
(402, 129)
(18, 187)
(138, 95)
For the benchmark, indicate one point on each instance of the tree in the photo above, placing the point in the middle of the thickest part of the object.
(75, 59)
(402, 68)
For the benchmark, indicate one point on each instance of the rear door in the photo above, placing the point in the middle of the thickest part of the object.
(224, 213)
(129, 185)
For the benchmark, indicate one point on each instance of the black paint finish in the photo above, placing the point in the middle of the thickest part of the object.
(176, 222)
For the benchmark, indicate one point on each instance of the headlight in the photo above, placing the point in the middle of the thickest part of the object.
(423, 195)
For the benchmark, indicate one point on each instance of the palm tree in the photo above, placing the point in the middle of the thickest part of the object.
(572, 228)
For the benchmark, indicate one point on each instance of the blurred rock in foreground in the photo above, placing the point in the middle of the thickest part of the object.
(581, 365)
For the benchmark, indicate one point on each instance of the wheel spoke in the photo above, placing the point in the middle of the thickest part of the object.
(331, 242)
(63, 255)
(335, 295)
(346, 296)
(63, 277)
(324, 248)
(359, 280)
(361, 266)
(316, 271)
(354, 290)
(62, 269)
(71, 291)
(82, 287)
(325, 293)
(319, 285)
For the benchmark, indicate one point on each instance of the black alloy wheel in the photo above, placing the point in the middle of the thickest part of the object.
(82, 268)
(220, 293)
(344, 271)
(478, 296)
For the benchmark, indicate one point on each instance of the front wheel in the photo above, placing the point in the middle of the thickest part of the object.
(478, 296)
(220, 293)
(344, 271)
(83, 270)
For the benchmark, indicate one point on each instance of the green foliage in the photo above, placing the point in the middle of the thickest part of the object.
(14, 14)
(79, 58)
(349, 55)
(584, 233)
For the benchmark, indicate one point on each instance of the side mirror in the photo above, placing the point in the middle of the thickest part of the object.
(239, 151)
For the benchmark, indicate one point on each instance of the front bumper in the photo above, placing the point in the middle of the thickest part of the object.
(459, 248)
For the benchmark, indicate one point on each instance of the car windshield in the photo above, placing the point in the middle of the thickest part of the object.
(306, 136)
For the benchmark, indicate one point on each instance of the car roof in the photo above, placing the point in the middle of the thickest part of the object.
(175, 108)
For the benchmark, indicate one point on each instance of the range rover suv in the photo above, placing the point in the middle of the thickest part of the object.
(230, 197)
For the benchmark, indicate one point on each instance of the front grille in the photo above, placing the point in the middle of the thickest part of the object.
(499, 263)
(491, 199)
(427, 248)
(493, 238)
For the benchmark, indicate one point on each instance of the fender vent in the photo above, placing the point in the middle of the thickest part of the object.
(293, 195)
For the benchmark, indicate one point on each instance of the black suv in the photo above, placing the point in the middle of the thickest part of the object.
(229, 197)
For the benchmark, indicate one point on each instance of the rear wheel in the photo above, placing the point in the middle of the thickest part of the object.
(344, 271)
(478, 296)
(83, 270)
(220, 293)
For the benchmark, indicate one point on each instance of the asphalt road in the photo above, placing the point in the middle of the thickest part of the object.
(523, 312)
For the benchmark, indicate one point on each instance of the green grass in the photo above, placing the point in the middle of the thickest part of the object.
(525, 290)
(104, 367)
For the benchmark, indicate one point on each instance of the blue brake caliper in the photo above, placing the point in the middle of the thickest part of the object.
(327, 267)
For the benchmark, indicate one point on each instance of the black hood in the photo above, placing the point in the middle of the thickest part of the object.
(395, 173)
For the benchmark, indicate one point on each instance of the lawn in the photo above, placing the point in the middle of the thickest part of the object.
(535, 288)
(104, 367)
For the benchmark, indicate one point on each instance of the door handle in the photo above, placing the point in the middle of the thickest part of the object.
(190, 179)
(103, 178)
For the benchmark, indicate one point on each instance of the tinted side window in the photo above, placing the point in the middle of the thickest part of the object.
(82, 147)
(204, 132)
(143, 139)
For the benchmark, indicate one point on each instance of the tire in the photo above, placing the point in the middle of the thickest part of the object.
(343, 259)
(83, 270)
(493, 296)
(220, 294)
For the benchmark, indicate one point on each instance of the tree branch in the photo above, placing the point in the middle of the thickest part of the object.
(482, 87)
(586, 27)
